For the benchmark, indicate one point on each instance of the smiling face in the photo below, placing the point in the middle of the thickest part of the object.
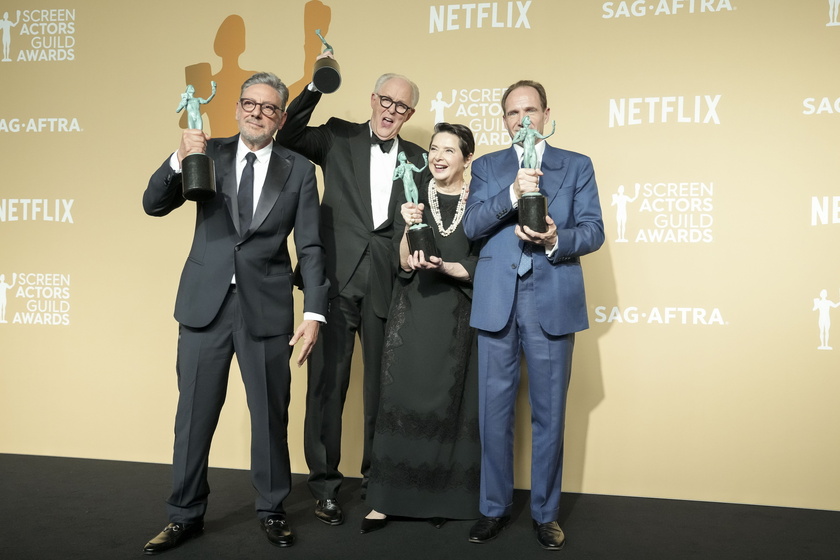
(446, 160)
(386, 123)
(255, 129)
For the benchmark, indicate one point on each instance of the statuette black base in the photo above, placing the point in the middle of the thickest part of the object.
(422, 238)
(199, 177)
(327, 75)
(532, 212)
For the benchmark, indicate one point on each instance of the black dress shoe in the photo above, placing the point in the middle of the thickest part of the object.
(173, 535)
(329, 512)
(488, 528)
(437, 522)
(370, 525)
(278, 531)
(550, 535)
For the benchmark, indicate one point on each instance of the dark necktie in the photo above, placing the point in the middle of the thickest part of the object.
(384, 145)
(245, 197)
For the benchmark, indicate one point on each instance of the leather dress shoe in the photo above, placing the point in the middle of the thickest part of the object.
(173, 535)
(278, 531)
(369, 525)
(437, 522)
(329, 512)
(550, 535)
(488, 528)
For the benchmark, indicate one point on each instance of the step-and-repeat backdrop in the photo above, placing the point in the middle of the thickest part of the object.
(711, 368)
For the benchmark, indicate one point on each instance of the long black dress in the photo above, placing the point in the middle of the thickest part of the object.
(426, 448)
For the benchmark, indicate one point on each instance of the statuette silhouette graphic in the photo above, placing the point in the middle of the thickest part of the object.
(620, 200)
(824, 305)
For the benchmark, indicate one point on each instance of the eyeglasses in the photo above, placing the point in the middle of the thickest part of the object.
(399, 107)
(266, 109)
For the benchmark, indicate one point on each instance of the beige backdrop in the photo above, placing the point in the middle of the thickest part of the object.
(713, 128)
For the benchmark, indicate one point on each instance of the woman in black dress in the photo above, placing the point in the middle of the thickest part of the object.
(426, 448)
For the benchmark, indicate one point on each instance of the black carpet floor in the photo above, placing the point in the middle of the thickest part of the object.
(57, 508)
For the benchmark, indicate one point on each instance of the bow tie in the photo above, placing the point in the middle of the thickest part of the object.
(384, 145)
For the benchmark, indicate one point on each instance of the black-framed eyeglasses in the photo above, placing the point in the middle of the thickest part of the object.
(399, 107)
(266, 109)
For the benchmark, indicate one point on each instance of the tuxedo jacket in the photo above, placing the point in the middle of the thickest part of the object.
(260, 256)
(342, 149)
(572, 194)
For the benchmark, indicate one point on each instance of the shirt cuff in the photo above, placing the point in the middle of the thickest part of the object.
(309, 316)
(174, 163)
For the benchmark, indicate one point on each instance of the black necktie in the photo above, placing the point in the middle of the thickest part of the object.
(245, 197)
(384, 145)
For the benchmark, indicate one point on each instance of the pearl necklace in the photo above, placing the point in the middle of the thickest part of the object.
(435, 206)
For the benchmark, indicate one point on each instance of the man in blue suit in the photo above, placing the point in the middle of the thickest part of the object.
(528, 297)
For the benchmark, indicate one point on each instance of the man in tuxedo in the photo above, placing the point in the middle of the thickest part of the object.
(528, 297)
(235, 297)
(357, 227)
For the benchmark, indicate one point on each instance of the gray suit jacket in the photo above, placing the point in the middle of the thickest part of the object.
(260, 256)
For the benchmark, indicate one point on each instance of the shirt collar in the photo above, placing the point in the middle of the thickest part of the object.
(539, 148)
(262, 154)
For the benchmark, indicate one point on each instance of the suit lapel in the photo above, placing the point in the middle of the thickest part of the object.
(277, 175)
(554, 165)
(360, 154)
(226, 178)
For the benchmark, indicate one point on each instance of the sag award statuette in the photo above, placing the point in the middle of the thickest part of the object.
(198, 171)
(327, 73)
(420, 236)
(532, 205)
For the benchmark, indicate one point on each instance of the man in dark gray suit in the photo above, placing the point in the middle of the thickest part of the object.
(357, 227)
(235, 297)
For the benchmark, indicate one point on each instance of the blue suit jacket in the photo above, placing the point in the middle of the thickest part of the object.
(569, 185)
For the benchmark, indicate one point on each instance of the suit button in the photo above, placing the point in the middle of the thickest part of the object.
(236, 248)
(513, 266)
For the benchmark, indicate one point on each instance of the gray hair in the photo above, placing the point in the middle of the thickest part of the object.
(268, 79)
(415, 91)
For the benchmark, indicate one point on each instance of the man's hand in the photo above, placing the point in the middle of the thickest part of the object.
(547, 239)
(193, 141)
(527, 180)
(307, 331)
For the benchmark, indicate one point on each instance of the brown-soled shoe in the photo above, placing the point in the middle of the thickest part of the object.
(550, 535)
(488, 528)
(173, 535)
(328, 511)
(278, 531)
